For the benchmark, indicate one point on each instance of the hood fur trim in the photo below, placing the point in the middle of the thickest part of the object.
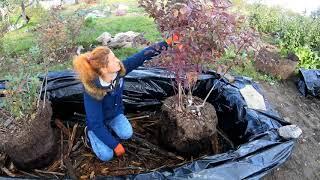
(87, 75)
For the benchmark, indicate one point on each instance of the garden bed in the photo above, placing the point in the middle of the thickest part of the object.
(251, 146)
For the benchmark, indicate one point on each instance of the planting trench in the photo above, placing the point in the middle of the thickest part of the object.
(249, 144)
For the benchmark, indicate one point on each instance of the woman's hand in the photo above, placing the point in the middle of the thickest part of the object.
(119, 150)
(174, 40)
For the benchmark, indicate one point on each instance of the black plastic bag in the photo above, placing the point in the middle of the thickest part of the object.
(259, 146)
(309, 82)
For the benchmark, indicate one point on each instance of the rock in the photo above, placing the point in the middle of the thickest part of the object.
(290, 131)
(127, 36)
(123, 39)
(104, 38)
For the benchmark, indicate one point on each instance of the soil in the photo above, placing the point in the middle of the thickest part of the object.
(270, 62)
(186, 131)
(304, 112)
(30, 143)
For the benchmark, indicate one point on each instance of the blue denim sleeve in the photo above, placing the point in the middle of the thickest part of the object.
(95, 121)
(138, 59)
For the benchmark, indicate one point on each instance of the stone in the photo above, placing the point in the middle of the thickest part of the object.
(128, 39)
(290, 131)
(123, 39)
(104, 38)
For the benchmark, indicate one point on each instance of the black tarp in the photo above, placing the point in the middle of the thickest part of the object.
(309, 82)
(259, 146)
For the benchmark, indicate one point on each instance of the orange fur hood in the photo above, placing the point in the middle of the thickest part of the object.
(87, 75)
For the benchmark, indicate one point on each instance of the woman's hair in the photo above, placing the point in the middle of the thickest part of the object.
(88, 67)
(98, 58)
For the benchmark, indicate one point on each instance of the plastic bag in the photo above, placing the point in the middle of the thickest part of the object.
(309, 82)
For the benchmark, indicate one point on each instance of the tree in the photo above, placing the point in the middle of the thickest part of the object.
(209, 35)
(23, 4)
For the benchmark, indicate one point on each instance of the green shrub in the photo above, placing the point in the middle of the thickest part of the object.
(292, 32)
(35, 54)
(57, 37)
(265, 19)
(90, 22)
(22, 93)
(308, 58)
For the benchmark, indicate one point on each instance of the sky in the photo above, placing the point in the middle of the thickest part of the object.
(295, 5)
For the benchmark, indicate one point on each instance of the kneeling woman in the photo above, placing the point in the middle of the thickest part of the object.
(101, 73)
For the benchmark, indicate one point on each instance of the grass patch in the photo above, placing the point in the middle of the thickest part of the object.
(67, 65)
(17, 42)
(115, 25)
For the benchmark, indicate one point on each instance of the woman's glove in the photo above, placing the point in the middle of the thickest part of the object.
(119, 150)
(174, 40)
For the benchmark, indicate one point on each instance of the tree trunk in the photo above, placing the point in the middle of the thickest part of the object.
(23, 12)
(179, 96)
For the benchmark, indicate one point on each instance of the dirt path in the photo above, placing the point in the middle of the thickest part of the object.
(305, 112)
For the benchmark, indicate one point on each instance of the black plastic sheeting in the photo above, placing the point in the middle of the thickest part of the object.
(259, 146)
(309, 82)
